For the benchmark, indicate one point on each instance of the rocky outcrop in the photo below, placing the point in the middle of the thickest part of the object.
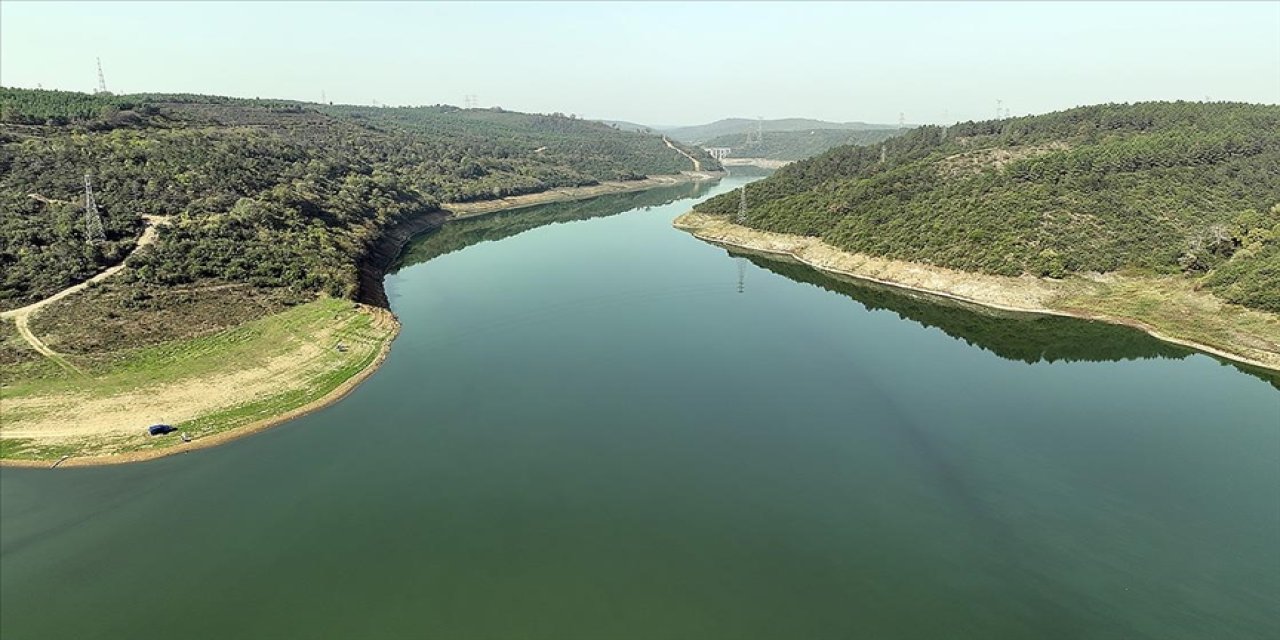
(383, 253)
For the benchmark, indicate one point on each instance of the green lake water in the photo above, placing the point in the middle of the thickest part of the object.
(595, 426)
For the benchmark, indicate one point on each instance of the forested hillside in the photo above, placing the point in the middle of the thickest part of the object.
(796, 145)
(271, 192)
(1166, 188)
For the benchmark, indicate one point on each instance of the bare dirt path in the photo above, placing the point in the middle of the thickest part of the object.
(697, 165)
(22, 316)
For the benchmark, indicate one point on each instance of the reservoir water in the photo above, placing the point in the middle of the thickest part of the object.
(596, 426)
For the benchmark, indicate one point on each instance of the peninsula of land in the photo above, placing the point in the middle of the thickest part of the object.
(236, 281)
(231, 383)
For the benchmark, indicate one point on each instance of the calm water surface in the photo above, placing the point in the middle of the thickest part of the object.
(587, 431)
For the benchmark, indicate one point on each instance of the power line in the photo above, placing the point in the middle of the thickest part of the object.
(742, 205)
(93, 231)
(742, 219)
(102, 81)
(756, 136)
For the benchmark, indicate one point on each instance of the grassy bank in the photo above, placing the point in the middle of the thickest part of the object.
(211, 387)
(1167, 307)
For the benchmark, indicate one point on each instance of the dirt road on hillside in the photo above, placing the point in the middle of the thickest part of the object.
(697, 165)
(22, 316)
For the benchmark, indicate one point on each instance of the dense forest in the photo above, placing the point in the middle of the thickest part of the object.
(1162, 188)
(796, 145)
(270, 192)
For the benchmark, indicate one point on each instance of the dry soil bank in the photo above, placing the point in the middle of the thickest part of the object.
(1168, 308)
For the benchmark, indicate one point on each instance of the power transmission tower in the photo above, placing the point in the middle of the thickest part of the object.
(323, 98)
(93, 231)
(902, 121)
(741, 219)
(884, 153)
(999, 108)
(102, 81)
(470, 101)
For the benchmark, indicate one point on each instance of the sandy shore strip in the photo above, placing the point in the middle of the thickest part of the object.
(566, 194)
(1026, 294)
(178, 446)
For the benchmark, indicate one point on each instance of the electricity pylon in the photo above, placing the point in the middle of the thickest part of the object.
(93, 231)
(102, 81)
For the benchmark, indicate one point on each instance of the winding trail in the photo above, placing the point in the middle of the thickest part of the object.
(22, 316)
(697, 164)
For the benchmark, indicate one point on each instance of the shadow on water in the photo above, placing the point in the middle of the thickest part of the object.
(460, 234)
(1025, 337)
(1010, 563)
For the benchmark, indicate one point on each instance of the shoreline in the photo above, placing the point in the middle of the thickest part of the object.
(380, 256)
(384, 252)
(762, 163)
(718, 231)
(223, 437)
(463, 210)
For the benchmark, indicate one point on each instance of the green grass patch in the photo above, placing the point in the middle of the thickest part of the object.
(30, 449)
(266, 408)
(1173, 307)
(308, 332)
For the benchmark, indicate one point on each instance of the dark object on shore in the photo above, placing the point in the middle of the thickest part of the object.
(161, 429)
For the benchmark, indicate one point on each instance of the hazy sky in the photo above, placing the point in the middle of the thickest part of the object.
(661, 63)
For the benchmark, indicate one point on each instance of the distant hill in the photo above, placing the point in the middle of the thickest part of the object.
(796, 145)
(1160, 188)
(700, 134)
